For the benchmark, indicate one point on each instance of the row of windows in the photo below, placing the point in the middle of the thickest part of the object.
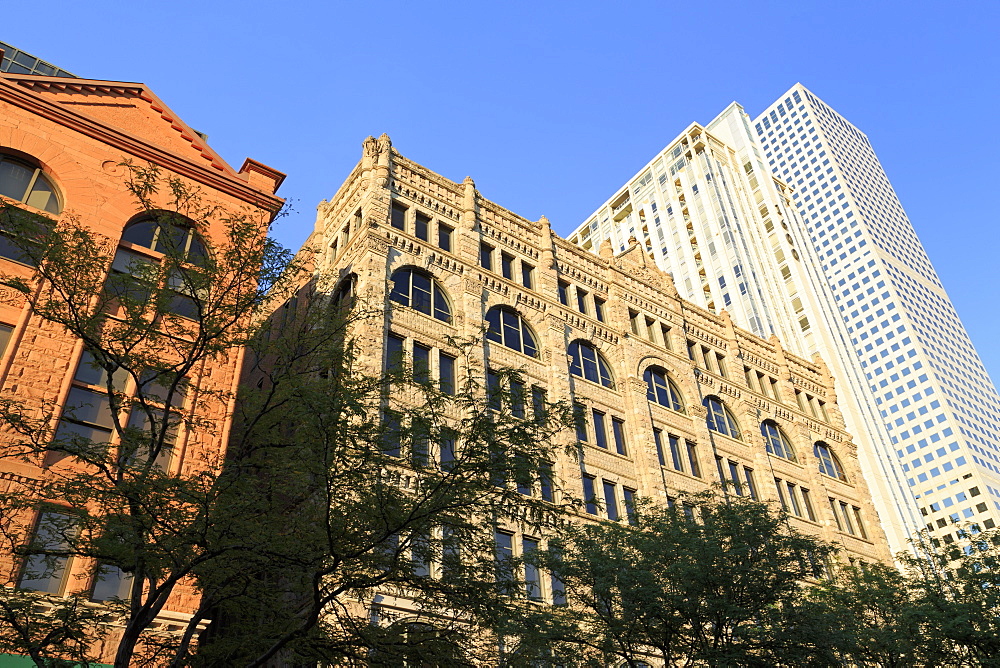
(610, 504)
(583, 301)
(420, 225)
(598, 427)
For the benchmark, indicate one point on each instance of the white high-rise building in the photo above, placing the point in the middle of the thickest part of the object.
(735, 227)
(930, 387)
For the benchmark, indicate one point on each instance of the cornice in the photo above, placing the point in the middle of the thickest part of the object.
(13, 92)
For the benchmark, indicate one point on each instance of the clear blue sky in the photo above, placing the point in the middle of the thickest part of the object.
(551, 106)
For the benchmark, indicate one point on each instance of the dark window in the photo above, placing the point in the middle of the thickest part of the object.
(587, 362)
(507, 266)
(610, 500)
(775, 441)
(538, 404)
(545, 481)
(444, 237)
(589, 500)
(580, 420)
(394, 356)
(527, 275)
(446, 455)
(720, 419)
(446, 367)
(581, 301)
(494, 396)
(5, 333)
(532, 579)
(421, 226)
(563, 293)
(507, 327)
(420, 554)
(692, 451)
(630, 505)
(675, 452)
(111, 582)
(398, 218)
(661, 389)
(600, 431)
(25, 183)
(517, 396)
(505, 559)
(421, 363)
(392, 433)
(618, 429)
(418, 290)
(486, 256)
(599, 309)
(658, 438)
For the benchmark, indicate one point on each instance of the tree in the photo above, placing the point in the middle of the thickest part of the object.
(709, 582)
(343, 492)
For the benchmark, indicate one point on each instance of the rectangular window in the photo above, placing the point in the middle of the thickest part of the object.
(563, 293)
(780, 486)
(611, 501)
(532, 579)
(505, 559)
(630, 505)
(633, 318)
(486, 256)
(600, 431)
(394, 353)
(618, 429)
(675, 452)
(807, 502)
(581, 301)
(446, 452)
(111, 582)
(580, 418)
(420, 546)
(391, 433)
(793, 500)
(658, 438)
(446, 368)
(421, 363)
(836, 515)
(599, 309)
(557, 586)
(527, 275)
(692, 450)
(419, 451)
(847, 518)
(517, 397)
(751, 487)
(398, 218)
(444, 237)
(5, 333)
(507, 266)
(665, 332)
(859, 523)
(421, 226)
(545, 481)
(538, 402)
(494, 400)
(47, 572)
(522, 474)
(589, 500)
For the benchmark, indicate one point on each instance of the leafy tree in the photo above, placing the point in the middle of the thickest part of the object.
(709, 582)
(336, 503)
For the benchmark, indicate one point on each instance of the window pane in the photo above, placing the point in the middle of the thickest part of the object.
(545, 481)
(600, 433)
(589, 500)
(441, 310)
(610, 500)
(618, 427)
(401, 287)
(527, 275)
(14, 179)
(87, 406)
(45, 572)
(532, 582)
(446, 364)
(486, 257)
(630, 505)
(421, 363)
(675, 452)
(398, 218)
(111, 582)
(421, 294)
(446, 459)
(511, 330)
(394, 353)
(507, 266)
(444, 237)
(420, 226)
(493, 330)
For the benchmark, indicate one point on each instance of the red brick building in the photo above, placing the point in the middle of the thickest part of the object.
(62, 145)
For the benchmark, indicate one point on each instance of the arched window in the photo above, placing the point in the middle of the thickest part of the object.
(508, 328)
(720, 419)
(776, 442)
(587, 362)
(132, 274)
(417, 289)
(828, 462)
(661, 389)
(23, 182)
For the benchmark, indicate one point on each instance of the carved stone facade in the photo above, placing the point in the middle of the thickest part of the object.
(626, 310)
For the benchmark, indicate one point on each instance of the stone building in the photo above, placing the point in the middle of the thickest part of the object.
(62, 145)
(675, 398)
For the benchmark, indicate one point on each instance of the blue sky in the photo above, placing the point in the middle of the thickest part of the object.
(551, 106)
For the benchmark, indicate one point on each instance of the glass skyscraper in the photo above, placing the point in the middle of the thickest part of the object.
(790, 225)
(931, 389)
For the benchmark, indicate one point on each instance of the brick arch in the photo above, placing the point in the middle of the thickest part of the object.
(73, 182)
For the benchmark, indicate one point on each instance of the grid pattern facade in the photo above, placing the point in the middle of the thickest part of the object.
(931, 389)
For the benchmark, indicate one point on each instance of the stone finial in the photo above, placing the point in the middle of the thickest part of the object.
(632, 241)
(467, 181)
(469, 204)
(544, 221)
(606, 251)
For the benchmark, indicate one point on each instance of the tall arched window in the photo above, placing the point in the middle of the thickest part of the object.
(26, 183)
(417, 289)
(132, 273)
(507, 327)
(720, 419)
(661, 389)
(828, 462)
(587, 362)
(776, 442)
